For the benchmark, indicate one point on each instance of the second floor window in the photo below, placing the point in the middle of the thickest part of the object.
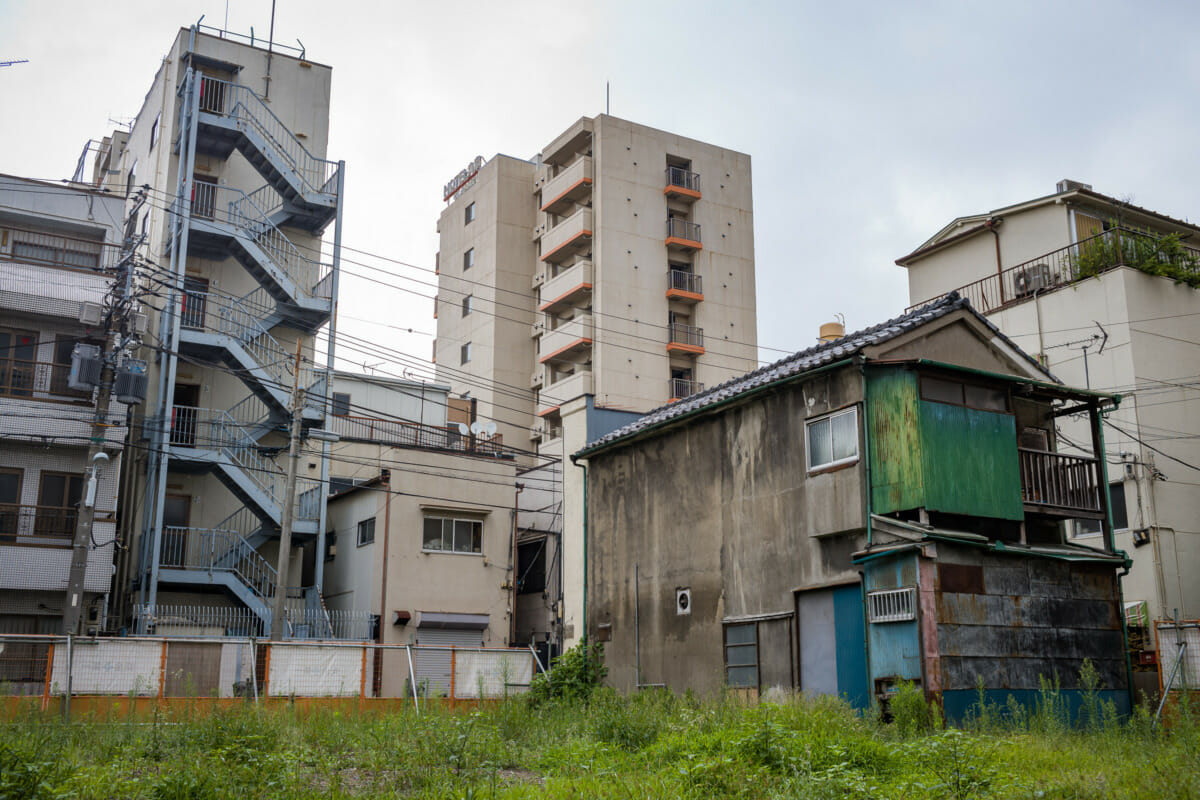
(448, 535)
(366, 531)
(341, 404)
(832, 439)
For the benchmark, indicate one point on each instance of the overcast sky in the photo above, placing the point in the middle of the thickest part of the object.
(870, 125)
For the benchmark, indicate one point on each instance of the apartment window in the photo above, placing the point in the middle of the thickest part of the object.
(942, 390)
(466, 304)
(469, 214)
(1120, 513)
(832, 439)
(154, 130)
(341, 404)
(450, 535)
(464, 355)
(129, 181)
(469, 258)
(10, 500)
(58, 503)
(331, 545)
(366, 531)
(741, 655)
(17, 351)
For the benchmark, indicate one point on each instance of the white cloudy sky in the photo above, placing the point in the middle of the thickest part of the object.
(870, 124)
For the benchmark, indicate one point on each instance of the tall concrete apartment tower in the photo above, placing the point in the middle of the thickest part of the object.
(231, 140)
(611, 274)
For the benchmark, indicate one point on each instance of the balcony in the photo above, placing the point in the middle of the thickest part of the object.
(35, 402)
(685, 287)
(1089, 257)
(564, 389)
(685, 339)
(34, 247)
(568, 187)
(569, 238)
(567, 340)
(44, 526)
(683, 235)
(398, 433)
(682, 184)
(682, 387)
(569, 288)
(43, 288)
(1060, 484)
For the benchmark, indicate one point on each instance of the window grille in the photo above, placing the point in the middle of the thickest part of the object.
(892, 605)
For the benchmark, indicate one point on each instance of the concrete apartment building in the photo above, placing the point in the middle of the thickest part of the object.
(59, 245)
(231, 141)
(421, 523)
(609, 275)
(1064, 275)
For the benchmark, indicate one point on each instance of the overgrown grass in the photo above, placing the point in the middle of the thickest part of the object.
(654, 744)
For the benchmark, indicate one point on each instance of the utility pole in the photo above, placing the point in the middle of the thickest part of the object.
(289, 503)
(82, 540)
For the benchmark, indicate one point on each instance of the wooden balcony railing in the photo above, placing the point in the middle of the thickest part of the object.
(1056, 481)
(45, 526)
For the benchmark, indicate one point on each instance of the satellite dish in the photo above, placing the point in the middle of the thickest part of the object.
(463, 429)
(490, 429)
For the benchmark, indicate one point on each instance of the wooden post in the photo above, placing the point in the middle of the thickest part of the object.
(49, 674)
(266, 673)
(162, 669)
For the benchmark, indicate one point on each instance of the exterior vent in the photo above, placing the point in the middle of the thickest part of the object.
(683, 601)
(892, 605)
(1068, 185)
(90, 313)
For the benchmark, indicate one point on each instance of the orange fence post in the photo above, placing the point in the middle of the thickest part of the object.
(162, 670)
(266, 673)
(362, 680)
(49, 673)
(453, 670)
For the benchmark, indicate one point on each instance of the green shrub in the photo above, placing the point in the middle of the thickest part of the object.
(573, 676)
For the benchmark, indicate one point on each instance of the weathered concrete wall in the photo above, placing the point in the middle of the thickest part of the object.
(723, 506)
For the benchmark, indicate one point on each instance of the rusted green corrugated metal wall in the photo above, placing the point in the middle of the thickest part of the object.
(897, 481)
(970, 462)
(938, 456)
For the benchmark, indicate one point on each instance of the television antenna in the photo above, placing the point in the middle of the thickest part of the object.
(9, 63)
(1097, 340)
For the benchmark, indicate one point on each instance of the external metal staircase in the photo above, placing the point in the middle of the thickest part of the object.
(294, 288)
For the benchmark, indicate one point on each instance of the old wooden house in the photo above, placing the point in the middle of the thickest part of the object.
(888, 506)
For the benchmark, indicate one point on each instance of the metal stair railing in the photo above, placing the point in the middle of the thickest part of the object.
(233, 207)
(247, 109)
(214, 429)
(209, 549)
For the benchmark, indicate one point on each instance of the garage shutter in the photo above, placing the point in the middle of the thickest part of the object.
(433, 666)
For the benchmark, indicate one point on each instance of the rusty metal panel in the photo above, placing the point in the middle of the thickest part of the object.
(897, 479)
(960, 578)
(895, 647)
(970, 461)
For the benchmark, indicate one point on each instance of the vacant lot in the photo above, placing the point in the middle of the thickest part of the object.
(649, 746)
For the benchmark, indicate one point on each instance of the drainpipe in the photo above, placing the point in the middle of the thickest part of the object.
(862, 371)
(1111, 541)
(512, 614)
(583, 610)
(992, 223)
(386, 477)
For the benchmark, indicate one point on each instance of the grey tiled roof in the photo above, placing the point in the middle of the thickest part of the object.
(803, 361)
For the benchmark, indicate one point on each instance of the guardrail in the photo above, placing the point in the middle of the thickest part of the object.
(686, 334)
(683, 178)
(682, 229)
(45, 526)
(1058, 480)
(682, 281)
(54, 250)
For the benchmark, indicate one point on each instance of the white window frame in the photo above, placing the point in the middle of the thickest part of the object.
(442, 518)
(809, 423)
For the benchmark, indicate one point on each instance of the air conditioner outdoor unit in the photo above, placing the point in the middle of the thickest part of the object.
(1031, 279)
(90, 313)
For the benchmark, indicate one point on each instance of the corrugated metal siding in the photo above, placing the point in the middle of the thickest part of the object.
(970, 462)
(895, 646)
(897, 480)
(432, 667)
